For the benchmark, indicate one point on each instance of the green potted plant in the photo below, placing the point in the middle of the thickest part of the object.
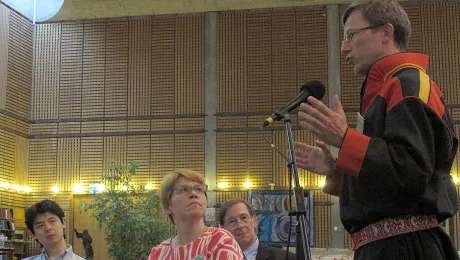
(131, 218)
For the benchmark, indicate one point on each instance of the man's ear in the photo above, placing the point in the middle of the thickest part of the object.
(169, 212)
(254, 218)
(64, 222)
(389, 31)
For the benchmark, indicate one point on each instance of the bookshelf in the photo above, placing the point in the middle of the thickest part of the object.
(15, 236)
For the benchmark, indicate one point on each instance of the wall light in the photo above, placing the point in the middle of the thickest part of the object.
(222, 185)
(55, 189)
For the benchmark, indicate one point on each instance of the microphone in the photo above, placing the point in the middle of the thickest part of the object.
(312, 88)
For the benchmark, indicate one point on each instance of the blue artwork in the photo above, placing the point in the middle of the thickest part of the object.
(271, 208)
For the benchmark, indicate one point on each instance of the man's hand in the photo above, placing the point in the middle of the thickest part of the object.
(328, 125)
(318, 160)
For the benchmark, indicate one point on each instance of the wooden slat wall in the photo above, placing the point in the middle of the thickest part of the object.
(19, 66)
(163, 65)
(280, 50)
(112, 78)
(139, 78)
(70, 73)
(189, 80)
(94, 53)
(16, 36)
(232, 62)
(4, 36)
(45, 89)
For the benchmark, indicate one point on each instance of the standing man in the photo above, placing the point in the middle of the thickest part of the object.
(392, 172)
(46, 223)
(238, 217)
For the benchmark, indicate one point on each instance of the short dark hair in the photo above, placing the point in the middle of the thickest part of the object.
(380, 12)
(230, 203)
(42, 207)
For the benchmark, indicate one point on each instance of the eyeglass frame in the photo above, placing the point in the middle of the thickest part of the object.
(192, 188)
(237, 221)
(349, 36)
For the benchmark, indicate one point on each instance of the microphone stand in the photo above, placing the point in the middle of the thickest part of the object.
(302, 251)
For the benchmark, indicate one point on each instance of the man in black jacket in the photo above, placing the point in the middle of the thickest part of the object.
(238, 217)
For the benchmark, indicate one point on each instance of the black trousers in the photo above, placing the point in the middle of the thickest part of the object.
(429, 244)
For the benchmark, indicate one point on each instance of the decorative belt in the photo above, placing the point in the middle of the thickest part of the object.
(391, 227)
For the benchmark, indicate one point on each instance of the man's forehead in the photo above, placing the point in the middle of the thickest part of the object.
(355, 19)
(44, 216)
(238, 209)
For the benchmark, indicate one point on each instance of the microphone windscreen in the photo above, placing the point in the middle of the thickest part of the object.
(315, 88)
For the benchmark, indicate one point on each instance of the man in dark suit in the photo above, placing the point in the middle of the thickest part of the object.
(238, 217)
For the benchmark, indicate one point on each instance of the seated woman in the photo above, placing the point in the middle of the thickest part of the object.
(183, 196)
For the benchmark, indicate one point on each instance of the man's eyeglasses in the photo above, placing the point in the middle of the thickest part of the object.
(233, 223)
(186, 189)
(351, 33)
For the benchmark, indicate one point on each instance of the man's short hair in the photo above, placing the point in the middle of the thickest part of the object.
(230, 203)
(42, 207)
(381, 12)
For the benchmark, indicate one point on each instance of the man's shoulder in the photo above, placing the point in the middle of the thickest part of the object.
(36, 257)
(276, 253)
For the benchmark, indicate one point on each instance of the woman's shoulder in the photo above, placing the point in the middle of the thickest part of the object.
(215, 231)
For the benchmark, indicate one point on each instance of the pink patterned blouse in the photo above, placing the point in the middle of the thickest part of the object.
(213, 244)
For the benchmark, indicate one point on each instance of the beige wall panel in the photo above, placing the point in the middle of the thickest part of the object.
(116, 68)
(189, 123)
(94, 44)
(161, 157)
(163, 65)
(22, 160)
(92, 127)
(83, 220)
(91, 160)
(283, 38)
(162, 124)
(138, 149)
(189, 64)
(14, 200)
(71, 71)
(232, 121)
(281, 174)
(51, 128)
(116, 126)
(69, 128)
(68, 163)
(114, 151)
(4, 36)
(9, 157)
(259, 61)
(19, 65)
(231, 62)
(223, 196)
(351, 83)
(45, 89)
(232, 162)
(139, 125)
(139, 77)
(413, 10)
(189, 152)
(322, 220)
(260, 160)
(42, 164)
(311, 46)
